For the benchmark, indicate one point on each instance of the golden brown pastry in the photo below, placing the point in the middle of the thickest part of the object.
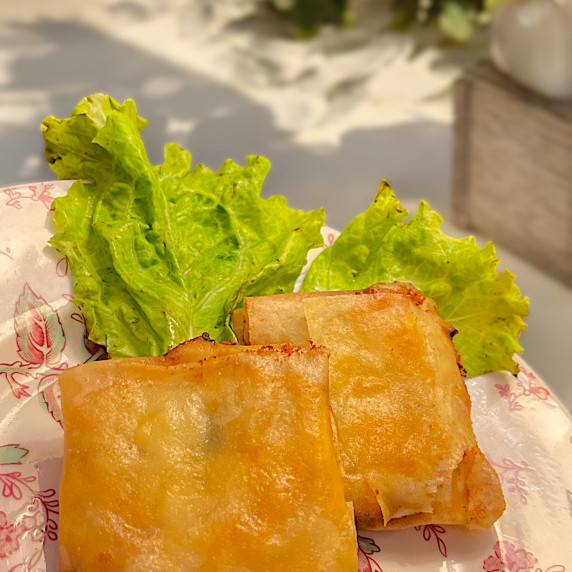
(210, 458)
(399, 400)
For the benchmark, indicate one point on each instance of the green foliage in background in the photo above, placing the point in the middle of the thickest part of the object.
(309, 15)
(457, 19)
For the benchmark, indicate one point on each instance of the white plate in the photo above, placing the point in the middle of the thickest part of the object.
(521, 427)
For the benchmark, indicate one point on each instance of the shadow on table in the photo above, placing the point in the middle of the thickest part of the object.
(55, 64)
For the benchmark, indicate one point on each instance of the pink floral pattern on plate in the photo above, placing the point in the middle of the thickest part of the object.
(36, 522)
(40, 341)
(42, 333)
(508, 558)
(527, 386)
(510, 473)
(435, 531)
(37, 192)
(366, 550)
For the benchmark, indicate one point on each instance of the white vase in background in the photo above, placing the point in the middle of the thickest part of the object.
(531, 41)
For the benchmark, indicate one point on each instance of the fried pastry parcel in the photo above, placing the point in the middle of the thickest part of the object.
(211, 458)
(399, 400)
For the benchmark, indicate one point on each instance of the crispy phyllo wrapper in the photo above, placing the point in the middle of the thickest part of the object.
(400, 404)
(238, 322)
(213, 457)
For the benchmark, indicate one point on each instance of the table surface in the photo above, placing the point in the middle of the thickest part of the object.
(331, 139)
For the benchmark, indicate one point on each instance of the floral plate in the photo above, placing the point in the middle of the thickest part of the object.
(521, 427)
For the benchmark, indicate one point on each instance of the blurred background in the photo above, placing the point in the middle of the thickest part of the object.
(463, 103)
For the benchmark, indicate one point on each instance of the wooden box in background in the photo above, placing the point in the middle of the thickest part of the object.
(513, 168)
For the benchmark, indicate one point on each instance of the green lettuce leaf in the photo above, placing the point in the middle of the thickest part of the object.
(160, 254)
(484, 305)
